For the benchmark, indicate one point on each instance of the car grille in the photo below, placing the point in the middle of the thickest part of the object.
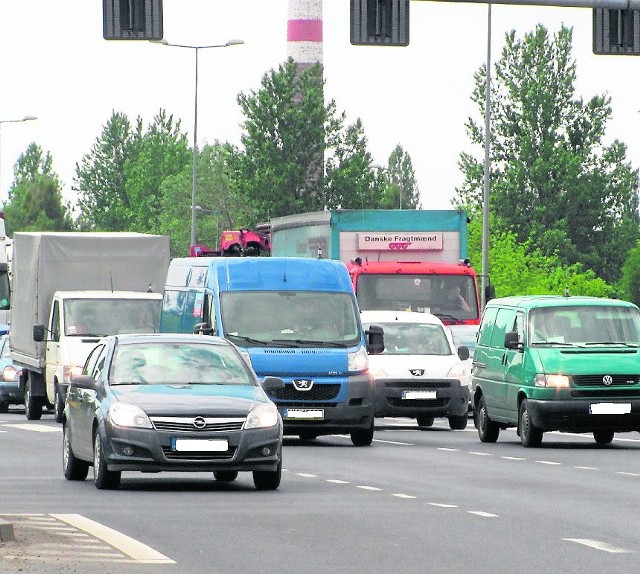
(315, 393)
(417, 403)
(597, 380)
(185, 424)
(185, 455)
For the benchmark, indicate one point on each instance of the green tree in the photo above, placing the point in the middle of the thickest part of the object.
(554, 184)
(630, 281)
(401, 189)
(35, 199)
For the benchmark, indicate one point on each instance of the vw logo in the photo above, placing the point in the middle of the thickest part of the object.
(302, 384)
(607, 380)
(199, 423)
(417, 372)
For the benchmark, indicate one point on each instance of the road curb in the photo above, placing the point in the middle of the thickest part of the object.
(6, 531)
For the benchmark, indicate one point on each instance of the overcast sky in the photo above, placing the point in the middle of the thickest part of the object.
(55, 65)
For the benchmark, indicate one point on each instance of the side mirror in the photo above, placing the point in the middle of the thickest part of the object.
(463, 352)
(489, 292)
(38, 333)
(83, 381)
(272, 383)
(511, 340)
(375, 340)
(202, 329)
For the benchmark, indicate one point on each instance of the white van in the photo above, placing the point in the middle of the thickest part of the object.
(421, 374)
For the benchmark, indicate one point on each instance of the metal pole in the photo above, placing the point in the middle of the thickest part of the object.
(487, 168)
(194, 188)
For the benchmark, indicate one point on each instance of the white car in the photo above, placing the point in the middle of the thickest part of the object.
(421, 373)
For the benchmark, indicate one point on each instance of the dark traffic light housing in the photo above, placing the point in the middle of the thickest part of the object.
(616, 31)
(380, 22)
(132, 19)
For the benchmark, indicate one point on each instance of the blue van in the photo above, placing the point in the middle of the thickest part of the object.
(297, 319)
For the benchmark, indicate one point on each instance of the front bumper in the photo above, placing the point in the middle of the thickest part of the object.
(575, 415)
(10, 393)
(151, 450)
(435, 398)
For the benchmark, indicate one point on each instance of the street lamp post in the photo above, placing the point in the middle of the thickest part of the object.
(194, 183)
(25, 119)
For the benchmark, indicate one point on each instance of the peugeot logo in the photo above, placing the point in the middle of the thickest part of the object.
(607, 380)
(302, 384)
(199, 423)
(417, 372)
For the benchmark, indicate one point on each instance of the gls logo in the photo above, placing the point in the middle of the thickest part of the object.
(302, 384)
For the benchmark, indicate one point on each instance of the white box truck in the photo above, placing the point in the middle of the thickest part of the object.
(69, 289)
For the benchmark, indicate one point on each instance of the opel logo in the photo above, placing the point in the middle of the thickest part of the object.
(302, 384)
(417, 372)
(199, 423)
(607, 380)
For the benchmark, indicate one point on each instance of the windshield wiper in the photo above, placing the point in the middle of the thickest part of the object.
(561, 343)
(603, 343)
(444, 317)
(247, 339)
(308, 343)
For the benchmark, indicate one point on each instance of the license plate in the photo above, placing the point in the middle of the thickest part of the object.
(199, 445)
(610, 408)
(413, 395)
(314, 414)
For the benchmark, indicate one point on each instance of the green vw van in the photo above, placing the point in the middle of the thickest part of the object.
(545, 363)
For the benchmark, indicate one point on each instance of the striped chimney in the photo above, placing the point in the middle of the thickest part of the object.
(304, 32)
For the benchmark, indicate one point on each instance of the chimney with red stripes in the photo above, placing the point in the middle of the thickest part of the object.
(304, 32)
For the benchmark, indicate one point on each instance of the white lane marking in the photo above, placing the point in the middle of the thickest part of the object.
(369, 487)
(483, 514)
(550, 462)
(34, 427)
(448, 449)
(598, 545)
(137, 550)
(394, 442)
(628, 473)
(306, 475)
(399, 495)
(337, 481)
(586, 468)
(478, 453)
(440, 505)
(513, 458)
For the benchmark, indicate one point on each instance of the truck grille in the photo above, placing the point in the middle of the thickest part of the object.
(598, 380)
(315, 393)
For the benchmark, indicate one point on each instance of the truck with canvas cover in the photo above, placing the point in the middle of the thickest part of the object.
(293, 318)
(405, 260)
(69, 290)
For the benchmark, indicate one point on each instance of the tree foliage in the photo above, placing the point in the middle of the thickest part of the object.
(401, 189)
(554, 185)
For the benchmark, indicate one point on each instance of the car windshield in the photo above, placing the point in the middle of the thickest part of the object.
(290, 318)
(414, 339)
(178, 364)
(585, 325)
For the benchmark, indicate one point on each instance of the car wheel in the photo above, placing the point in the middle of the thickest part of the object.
(308, 435)
(4, 407)
(32, 405)
(225, 475)
(266, 479)
(458, 422)
(488, 430)
(362, 437)
(73, 468)
(603, 436)
(530, 435)
(58, 405)
(425, 421)
(103, 478)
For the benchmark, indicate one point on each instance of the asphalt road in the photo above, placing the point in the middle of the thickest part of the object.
(415, 501)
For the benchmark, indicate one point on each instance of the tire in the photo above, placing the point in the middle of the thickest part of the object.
(458, 422)
(58, 405)
(225, 475)
(488, 430)
(530, 435)
(73, 468)
(103, 478)
(362, 437)
(4, 407)
(32, 405)
(267, 479)
(603, 436)
(425, 421)
(307, 435)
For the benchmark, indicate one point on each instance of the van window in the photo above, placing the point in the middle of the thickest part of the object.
(488, 319)
(505, 322)
(186, 276)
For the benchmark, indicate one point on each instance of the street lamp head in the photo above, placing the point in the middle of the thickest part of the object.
(234, 42)
(29, 118)
(163, 42)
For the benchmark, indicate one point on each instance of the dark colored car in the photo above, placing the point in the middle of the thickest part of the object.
(171, 402)
(10, 393)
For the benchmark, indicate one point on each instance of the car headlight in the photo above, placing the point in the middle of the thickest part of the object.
(9, 373)
(461, 371)
(126, 415)
(262, 416)
(358, 361)
(69, 371)
(556, 381)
